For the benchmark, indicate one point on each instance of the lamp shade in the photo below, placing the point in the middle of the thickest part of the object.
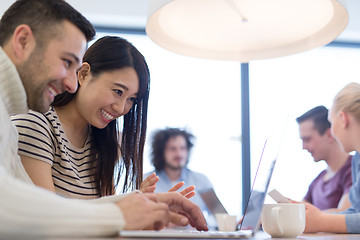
(244, 30)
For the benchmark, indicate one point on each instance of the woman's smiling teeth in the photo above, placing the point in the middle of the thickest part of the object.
(107, 115)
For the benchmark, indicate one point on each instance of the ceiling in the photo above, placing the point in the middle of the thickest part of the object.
(132, 14)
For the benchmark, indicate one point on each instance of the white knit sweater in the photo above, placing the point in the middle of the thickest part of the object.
(26, 210)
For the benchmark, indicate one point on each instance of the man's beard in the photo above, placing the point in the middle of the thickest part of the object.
(35, 98)
(28, 71)
(174, 168)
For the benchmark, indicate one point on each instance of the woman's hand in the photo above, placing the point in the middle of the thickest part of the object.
(149, 184)
(187, 192)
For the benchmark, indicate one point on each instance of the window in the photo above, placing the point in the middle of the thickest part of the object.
(286, 88)
(203, 96)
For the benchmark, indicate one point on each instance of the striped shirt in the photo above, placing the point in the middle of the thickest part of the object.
(42, 137)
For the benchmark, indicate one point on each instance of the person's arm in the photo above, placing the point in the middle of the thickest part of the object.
(344, 204)
(39, 172)
(319, 221)
(30, 211)
(36, 147)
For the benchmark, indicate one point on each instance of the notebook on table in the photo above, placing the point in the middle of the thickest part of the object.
(251, 218)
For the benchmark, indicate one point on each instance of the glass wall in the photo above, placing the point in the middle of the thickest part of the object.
(284, 88)
(203, 96)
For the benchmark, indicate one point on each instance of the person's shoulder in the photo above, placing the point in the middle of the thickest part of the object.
(30, 116)
(32, 121)
(196, 174)
(319, 177)
(200, 180)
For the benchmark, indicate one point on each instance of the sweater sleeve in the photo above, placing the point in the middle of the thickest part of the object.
(113, 198)
(352, 214)
(353, 222)
(26, 210)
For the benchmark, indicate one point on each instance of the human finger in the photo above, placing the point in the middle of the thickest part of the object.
(179, 219)
(160, 216)
(188, 192)
(151, 196)
(150, 189)
(241, 220)
(149, 184)
(177, 186)
(190, 195)
(180, 204)
(151, 179)
(142, 210)
(185, 214)
(194, 214)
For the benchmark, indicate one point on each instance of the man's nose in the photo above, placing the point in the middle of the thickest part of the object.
(305, 146)
(70, 83)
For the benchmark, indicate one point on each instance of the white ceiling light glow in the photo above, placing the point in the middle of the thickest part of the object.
(244, 30)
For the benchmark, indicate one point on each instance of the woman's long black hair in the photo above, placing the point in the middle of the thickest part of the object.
(107, 54)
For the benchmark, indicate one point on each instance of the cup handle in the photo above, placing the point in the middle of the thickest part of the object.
(275, 217)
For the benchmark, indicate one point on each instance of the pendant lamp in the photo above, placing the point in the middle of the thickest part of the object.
(244, 30)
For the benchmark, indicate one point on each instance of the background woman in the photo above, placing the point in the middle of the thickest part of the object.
(345, 126)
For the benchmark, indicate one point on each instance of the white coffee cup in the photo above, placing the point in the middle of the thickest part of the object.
(226, 222)
(283, 219)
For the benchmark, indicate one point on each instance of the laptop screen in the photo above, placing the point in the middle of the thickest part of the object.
(261, 183)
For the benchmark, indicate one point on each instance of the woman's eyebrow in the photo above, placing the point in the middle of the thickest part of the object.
(122, 86)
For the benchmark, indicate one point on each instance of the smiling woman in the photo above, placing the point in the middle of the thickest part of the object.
(73, 149)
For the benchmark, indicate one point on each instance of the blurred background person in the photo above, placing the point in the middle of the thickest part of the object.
(330, 189)
(170, 155)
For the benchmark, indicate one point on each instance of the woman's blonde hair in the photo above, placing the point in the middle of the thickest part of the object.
(348, 100)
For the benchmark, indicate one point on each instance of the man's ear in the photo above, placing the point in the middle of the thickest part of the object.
(23, 42)
(84, 73)
(328, 133)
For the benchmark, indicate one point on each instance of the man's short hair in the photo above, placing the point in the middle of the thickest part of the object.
(319, 115)
(159, 141)
(42, 16)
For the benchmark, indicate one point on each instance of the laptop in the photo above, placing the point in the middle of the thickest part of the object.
(212, 202)
(251, 218)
